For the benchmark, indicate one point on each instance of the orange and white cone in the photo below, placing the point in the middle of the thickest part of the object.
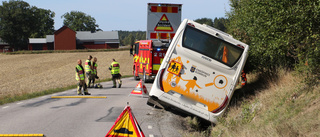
(140, 89)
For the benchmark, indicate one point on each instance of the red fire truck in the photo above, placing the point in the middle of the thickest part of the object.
(148, 58)
(162, 23)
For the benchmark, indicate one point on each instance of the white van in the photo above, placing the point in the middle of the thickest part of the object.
(200, 70)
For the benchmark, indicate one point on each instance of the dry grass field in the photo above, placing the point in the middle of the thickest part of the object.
(28, 73)
(269, 107)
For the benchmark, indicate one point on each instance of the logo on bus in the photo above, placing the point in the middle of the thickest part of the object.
(206, 58)
(194, 69)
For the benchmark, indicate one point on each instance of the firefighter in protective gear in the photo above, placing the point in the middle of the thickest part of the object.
(81, 78)
(94, 70)
(89, 70)
(115, 72)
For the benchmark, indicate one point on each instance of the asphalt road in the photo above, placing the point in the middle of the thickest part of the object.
(86, 117)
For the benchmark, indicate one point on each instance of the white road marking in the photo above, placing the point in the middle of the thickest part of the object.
(150, 135)
(19, 103)
(149, 127)
(5, 107)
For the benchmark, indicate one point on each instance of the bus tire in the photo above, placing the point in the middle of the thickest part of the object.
(153, 103)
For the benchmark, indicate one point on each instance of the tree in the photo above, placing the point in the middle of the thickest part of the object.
(129, 37)
(79, 21)
(45, 23)
(19, 20)
(280, 33)
(218, 23)
(206, 21)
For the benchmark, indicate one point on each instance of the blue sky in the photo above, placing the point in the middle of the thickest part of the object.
(130, 15)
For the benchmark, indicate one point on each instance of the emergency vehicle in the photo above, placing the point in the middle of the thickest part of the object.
(200, 71)
(163, 21)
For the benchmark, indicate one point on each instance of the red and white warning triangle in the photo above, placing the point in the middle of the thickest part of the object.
(140, 89)
(163, 24)
(126, 125)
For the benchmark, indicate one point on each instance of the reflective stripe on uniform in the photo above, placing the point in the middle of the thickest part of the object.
(115, 68)
(87, 67)
(81, 73)
(95, 68)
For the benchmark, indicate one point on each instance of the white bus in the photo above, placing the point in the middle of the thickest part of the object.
(200, 71)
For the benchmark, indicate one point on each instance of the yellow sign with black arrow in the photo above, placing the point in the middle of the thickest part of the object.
(126, 125)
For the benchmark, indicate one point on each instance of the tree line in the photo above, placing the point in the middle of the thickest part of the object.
(20, 21)
(280, 34)
(129, 37)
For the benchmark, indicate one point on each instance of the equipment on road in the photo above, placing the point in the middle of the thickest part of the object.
(140, 90)
(98, 85)
(126, 125)
(162, 23)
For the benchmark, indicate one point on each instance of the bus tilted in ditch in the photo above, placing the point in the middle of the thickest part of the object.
(200, 71)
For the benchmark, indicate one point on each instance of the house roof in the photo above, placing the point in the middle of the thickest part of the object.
(37, 40)
(97, 36)
(83, 36)
(50, 38)
(62, 29)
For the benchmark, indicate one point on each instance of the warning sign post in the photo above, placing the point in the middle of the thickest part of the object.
(163, 24)
(163, 20)
(126, 125)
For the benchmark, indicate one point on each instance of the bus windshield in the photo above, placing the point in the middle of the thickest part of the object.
(211, 46)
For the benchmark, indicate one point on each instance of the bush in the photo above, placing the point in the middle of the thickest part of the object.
(279, 33)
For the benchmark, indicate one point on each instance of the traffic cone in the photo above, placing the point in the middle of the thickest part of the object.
(140, 89)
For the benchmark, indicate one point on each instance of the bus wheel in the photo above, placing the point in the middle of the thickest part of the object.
(152, 101)
(134, 75)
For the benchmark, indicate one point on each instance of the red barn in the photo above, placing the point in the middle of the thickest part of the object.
(64, 39)
(5, 47)
(67, 39)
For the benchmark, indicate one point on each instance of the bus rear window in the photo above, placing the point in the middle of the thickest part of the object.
(211, 46)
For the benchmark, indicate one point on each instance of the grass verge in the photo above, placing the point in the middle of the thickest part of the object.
(268, 106)
(24, 96)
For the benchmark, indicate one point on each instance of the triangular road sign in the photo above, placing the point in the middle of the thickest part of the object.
(140, 89)
(126, 125)
(163, 24)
